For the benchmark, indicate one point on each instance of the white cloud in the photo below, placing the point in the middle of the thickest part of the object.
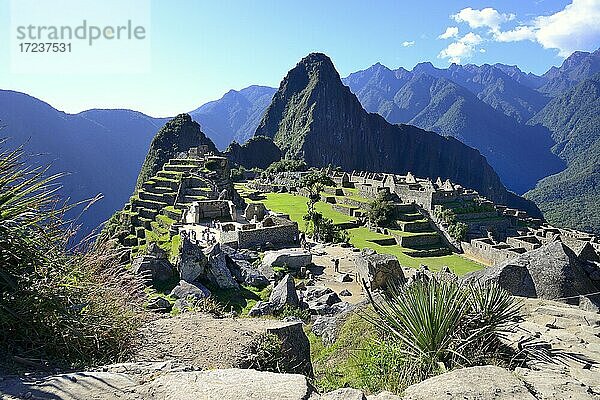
(487, 17)
(451, 31)
(576, 27)
(515, 35)
(462, 48)
(408, 44)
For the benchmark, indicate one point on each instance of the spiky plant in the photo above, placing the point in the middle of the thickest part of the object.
(443, 324)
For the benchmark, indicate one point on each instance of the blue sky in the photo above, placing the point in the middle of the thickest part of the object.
(201, 49)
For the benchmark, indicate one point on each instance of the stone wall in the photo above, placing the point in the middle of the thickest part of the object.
(488, 253)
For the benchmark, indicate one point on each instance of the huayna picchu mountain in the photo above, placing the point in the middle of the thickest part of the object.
(314, 117)
(177, 136)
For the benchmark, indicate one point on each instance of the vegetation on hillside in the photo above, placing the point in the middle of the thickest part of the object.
(76, 307)
(414, 332)
(570, 198)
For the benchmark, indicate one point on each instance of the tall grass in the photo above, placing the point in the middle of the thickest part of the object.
(62, 307)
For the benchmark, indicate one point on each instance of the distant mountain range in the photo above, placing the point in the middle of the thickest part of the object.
(102, 150)
(315, 117)
(506, 114)
(234, 116)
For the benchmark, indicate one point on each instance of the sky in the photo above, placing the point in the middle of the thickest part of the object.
(198, 50)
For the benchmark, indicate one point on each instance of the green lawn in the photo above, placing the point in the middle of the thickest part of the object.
(360, 238)
(295, 207)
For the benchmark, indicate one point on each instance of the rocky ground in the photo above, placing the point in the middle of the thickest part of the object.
(179, 354)
(202, 341)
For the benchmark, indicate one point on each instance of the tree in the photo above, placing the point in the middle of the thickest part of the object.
(381, 210)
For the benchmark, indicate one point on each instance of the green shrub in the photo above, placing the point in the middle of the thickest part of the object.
(286, 166)
(381, 210)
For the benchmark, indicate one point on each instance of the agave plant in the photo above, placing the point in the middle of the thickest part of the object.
(443, 324)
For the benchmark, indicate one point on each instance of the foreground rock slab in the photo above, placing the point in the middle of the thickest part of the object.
(160, 381)
(475, 383)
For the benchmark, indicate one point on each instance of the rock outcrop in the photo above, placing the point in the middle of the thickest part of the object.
(258, 152)
(551, 272)
(177, 136)
(482, 383)
(291, 259)
(154, 266)
(315, 117)
(284, 294)
(378, 270)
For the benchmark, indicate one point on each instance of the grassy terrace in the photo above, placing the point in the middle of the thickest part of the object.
(295, 207)
(362, 237)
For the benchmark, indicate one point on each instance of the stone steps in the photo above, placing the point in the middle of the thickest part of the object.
(415, 226)
(187, 161)
(179, 168)
(147, 213)
(409, 217)
(151, 204)
(166, 197)
(169, 174)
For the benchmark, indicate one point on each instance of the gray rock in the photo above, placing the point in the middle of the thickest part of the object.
(378, 270)
(154, 266)
(344, 278)
(551, 272)
(185, 290)
(262, 308)
(284, 293)
(293, 259)
(344, 394)
(246, 273)
(328, 298)
(590, 303)
(191, 262)
(481, 383)
(384, 396)
(165, 383)
(217, 272)
(345, 293)
(314, 292)
(182, 305)
(159, 304)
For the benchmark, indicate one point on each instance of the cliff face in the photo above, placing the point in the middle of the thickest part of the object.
(259, 152)
(176, 136)
(315, 117)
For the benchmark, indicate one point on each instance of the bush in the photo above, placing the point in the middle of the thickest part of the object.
(445, 324)
(381, 210)
(238, 174)
(286, 166)
(70, 308)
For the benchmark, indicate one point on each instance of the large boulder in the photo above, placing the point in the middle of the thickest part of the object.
(551, 272)
(246, 273)
(185, 290)
(217, 272)
(378, 270)
(154, 266)
(191, 262)
(283, 294)
(292, 259)
(160, 380)
(474, 383)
